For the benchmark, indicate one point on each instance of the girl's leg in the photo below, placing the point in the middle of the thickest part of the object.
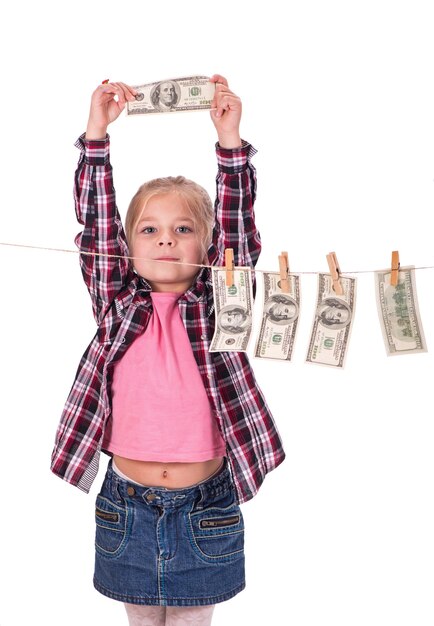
(143, 615)
(189, 615)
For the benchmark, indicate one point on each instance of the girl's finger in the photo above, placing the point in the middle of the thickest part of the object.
(123, 95)
(222, 92)
(108, 90)
(228, 101)
(221, 85)
(110, 87)
(123, 92)
(129, 92)
(218, 78)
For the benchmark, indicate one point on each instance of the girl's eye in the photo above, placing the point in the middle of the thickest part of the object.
(149, 230)
(184, 229)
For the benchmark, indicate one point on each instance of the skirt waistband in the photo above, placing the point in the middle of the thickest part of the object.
(209, 489)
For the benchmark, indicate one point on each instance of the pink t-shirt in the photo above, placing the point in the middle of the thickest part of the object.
(160, 409)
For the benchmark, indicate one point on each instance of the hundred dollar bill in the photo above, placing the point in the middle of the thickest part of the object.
(332, 323)
(233, 310)
(279, 318)
(192, 93)
(398, 311)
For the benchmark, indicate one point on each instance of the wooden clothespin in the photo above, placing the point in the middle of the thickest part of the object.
(335, 272)
(229, 266)
(394, 277)
(284, 272)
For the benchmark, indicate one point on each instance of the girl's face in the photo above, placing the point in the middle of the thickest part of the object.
(166, 233)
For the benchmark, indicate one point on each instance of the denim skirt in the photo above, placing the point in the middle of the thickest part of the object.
(169, 547)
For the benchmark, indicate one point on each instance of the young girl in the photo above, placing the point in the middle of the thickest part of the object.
(188, 431)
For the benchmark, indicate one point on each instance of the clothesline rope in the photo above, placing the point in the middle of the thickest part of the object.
(117, 256)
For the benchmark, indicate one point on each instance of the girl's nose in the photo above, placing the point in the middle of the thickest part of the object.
(165, 240)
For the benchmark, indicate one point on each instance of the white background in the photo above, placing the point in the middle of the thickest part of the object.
(339, 99)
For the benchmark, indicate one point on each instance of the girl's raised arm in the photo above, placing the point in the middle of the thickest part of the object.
(95, 203)
(226, 112)
(236, 183)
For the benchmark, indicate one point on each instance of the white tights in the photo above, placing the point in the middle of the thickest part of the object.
(143, 615)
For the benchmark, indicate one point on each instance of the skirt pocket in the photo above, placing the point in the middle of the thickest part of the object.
(217, 534)
(113, 524)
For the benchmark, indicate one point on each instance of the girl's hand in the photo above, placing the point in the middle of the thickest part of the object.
(105, 109)
(226, 115)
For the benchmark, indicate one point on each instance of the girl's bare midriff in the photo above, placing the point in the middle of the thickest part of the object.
(170, 475)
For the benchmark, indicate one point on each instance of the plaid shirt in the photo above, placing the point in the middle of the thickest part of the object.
(122, 307)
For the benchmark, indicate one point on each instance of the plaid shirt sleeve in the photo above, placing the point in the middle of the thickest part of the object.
(103, 232)
(235, 219)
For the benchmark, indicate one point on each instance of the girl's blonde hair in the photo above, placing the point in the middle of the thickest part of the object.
(195, 198)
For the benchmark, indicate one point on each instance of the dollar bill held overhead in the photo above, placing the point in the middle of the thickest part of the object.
(192, 93)
(279, 318)
(332, 323)
(398, 311)
(233, 311)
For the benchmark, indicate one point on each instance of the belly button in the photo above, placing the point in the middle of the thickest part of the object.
(165, 474)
